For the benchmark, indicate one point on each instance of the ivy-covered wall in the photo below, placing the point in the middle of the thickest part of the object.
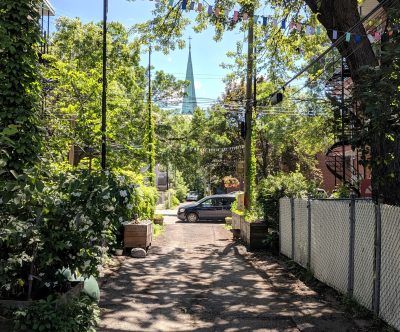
(19, 85)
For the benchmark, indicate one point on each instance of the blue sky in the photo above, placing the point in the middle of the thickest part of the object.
(207, 55)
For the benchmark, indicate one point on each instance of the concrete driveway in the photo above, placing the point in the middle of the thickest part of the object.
(196, 279)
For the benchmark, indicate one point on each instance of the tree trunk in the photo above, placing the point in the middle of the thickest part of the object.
(341, 15)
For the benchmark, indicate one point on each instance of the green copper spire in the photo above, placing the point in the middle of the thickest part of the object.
(189, 100)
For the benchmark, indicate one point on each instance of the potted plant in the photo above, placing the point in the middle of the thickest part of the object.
(158, 219)
(119, 251)
(138, 234)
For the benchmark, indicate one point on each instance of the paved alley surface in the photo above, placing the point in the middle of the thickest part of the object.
(196, 279)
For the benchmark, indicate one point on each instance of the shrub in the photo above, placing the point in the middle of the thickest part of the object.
(180, 187)
(80, 314)
(274, 187)
(145, 197)
(172, 201)
(145, 202)
(342, 191)
(64, 221)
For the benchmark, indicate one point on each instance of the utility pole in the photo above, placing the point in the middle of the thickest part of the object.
(249, 115)
(104, 96)
(150, 125)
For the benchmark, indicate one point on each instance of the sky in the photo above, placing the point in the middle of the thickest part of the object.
(207, 55)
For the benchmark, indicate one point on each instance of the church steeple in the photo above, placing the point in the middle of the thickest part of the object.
(189, 100)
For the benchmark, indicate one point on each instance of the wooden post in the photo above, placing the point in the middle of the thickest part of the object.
(249, 114)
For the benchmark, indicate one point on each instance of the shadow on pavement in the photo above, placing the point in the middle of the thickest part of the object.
(210, 288)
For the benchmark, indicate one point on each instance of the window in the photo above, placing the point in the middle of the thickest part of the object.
(228, 201)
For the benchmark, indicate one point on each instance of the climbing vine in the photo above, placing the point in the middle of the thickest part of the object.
(19, 85)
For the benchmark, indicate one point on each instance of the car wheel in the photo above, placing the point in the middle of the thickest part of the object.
(192, 217)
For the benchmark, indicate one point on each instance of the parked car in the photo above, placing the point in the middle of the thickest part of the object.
(192, 196)
(215, 207)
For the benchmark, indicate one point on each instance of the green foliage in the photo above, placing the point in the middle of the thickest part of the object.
(228, 227)
(379, 90)
(20, 137)
(49, 315)
(158, 230)
(342, 191)
(74, 84)
(146, 200)
(172, 201)
(180, 187)
(67, 220)
(274, 187)
(251, 172)
(235, 209)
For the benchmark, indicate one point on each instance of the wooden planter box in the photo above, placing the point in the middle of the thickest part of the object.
(236, 220)
(253, 234)
(138, 235)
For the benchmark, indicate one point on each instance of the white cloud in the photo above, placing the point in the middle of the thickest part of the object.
(169, 59)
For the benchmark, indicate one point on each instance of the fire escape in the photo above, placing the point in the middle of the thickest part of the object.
(341, 160)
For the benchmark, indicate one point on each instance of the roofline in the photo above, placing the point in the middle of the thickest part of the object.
(47, 5)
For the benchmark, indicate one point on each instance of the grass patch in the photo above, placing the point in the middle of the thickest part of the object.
(158, 230)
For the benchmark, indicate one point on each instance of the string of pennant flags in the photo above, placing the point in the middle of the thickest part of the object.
(222, 149)
(235, 15)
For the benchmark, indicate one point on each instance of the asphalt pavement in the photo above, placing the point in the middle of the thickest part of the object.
(195, 278)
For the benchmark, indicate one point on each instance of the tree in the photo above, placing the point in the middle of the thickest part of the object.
(288, 50)
(73, 73)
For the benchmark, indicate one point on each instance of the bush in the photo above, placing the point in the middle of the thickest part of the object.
(64, 221)
(274, 187)
(80, 314)
(145, 203)
(145, 198)
(342, 191)
(180, 187)
(172, 201)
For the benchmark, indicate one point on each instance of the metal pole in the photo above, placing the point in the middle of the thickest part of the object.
(48, 30)
(104, 96)
(293, 225)
(335, 171)
(42, 46)
(343, 133)
(350, 284)
(377, 259)
(309, 232)
(167, 175)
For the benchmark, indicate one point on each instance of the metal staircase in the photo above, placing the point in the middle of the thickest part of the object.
(347, 126)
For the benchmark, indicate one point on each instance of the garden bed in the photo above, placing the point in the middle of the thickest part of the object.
(254, 234)
(138, 235)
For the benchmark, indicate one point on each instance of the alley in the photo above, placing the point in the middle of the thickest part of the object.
(195, 279)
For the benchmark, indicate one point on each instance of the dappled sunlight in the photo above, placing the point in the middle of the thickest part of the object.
(193, 286)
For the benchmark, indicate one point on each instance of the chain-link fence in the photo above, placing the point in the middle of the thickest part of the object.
(390, 265)
(285, 227)
(351, 245)
(330, 242)
(364, 252)
(301, 232)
